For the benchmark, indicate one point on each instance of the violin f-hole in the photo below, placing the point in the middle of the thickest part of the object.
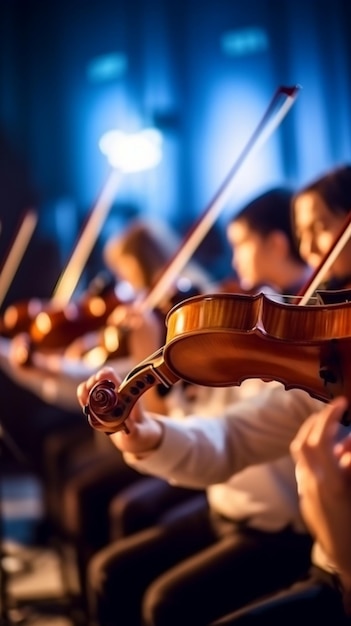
(331, 372)
(330, 369)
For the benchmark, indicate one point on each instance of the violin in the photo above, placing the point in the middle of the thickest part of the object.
(220, 340)
(17, 317)
(51, 327)
(56, 328)
(111, 341)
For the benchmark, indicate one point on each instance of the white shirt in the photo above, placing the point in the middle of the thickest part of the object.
(241, 456)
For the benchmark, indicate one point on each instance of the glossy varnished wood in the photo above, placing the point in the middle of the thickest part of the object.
(222, 339)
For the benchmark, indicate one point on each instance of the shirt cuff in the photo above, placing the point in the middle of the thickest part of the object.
(162, 460)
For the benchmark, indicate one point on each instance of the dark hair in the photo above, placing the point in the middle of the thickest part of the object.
(334, 188)
(269, 212)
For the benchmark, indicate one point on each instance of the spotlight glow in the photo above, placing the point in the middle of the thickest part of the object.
(132, 152)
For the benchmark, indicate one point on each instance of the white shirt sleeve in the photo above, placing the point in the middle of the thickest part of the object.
(197, 452)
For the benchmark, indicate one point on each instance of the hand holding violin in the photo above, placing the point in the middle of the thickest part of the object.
(323, 473)
(141, 433)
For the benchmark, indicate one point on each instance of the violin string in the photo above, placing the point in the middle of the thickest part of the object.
(288, 298)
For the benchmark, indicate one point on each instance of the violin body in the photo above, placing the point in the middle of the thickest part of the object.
(18, 317)
(222, 339)
(57, 327)
(51, 326)
(112, 342)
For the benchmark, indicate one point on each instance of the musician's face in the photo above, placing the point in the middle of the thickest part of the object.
(253, 255)
(316, 229)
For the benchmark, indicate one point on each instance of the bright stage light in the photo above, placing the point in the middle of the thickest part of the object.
(132, 152)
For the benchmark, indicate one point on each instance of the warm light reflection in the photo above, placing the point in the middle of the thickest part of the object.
(96, 357)
(43, 323)
(97, 307)
(13, 313)
(111, 339)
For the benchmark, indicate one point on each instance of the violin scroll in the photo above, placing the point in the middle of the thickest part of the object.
(104, 409)
(107, 408)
